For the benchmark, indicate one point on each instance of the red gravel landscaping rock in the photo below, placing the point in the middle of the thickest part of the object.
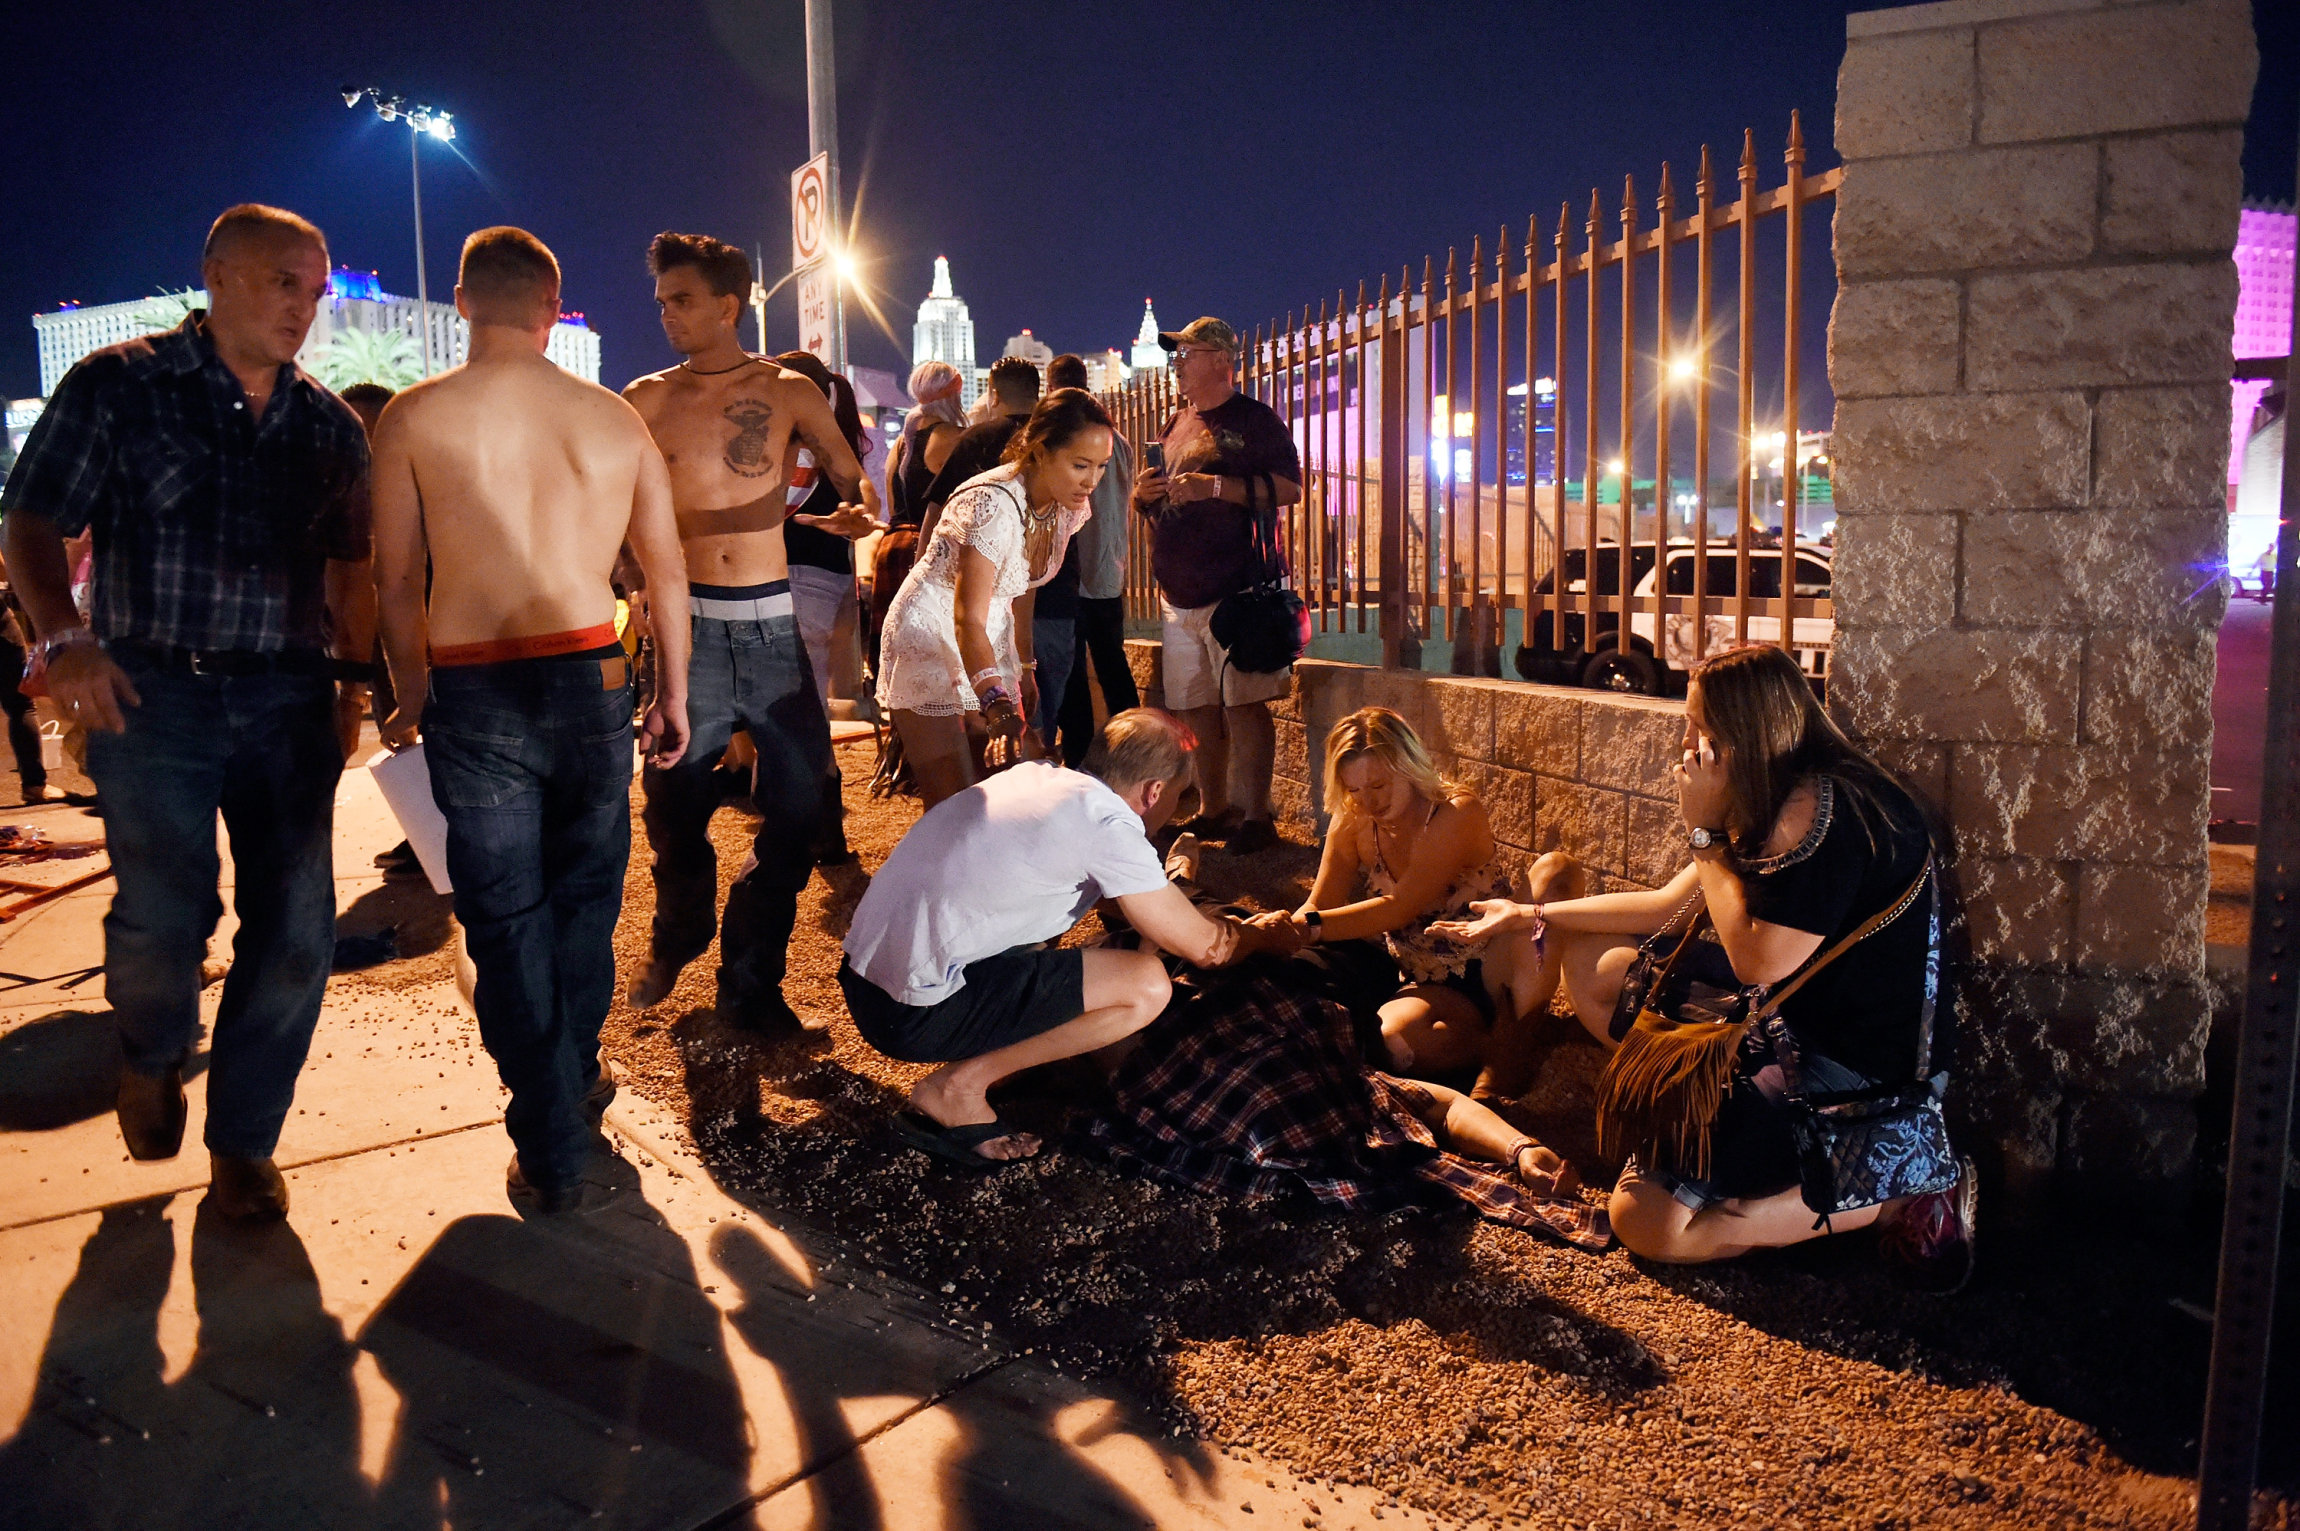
(1474, 1371)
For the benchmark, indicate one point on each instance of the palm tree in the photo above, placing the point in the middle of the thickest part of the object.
(369, 356)
(167, 310)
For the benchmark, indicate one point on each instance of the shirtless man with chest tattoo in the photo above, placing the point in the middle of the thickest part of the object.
(730, 426)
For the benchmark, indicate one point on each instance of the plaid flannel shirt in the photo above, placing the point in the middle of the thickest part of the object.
(212, 529)
(1252, 1088)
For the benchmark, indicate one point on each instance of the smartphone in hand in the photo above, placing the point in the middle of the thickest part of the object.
(1154, 456)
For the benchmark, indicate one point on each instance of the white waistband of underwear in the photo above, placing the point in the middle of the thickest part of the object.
(766, 606)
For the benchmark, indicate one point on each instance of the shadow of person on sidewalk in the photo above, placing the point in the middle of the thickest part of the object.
(570, 1362)
(262, 1427)
(64, 1067)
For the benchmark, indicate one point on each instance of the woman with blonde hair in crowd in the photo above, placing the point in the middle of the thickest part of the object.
(1408, 849)
(956, 647)
(1775, 1010)
(929, 431)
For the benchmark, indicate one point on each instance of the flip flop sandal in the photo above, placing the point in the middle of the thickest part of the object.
(957, 1145)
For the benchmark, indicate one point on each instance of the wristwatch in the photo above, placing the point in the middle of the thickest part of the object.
(1316, 920)
(1706, 839)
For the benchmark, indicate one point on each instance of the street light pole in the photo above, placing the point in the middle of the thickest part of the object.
(823, 138)
(420, 119)
(422, 285)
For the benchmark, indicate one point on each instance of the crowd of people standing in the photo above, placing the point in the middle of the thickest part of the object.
(1771, 1014)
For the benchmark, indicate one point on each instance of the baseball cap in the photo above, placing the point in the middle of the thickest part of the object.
(1208, 331)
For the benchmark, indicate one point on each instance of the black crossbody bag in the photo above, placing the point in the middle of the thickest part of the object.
(1265, 627)
(1858, 1148)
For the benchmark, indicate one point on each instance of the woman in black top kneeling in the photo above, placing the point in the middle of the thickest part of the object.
(1803, 849)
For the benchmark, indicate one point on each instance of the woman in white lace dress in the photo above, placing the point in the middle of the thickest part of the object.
(957, 636)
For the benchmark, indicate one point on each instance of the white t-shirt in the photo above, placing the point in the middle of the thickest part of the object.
(1014, 860)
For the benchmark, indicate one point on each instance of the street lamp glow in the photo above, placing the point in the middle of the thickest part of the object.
(1681, 370)
(421, 121)
(844, 264)
(1613, 466)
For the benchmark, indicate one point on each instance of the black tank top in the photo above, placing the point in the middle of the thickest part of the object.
(910, 488)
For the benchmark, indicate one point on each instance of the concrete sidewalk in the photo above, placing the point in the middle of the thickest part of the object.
(406, 1351)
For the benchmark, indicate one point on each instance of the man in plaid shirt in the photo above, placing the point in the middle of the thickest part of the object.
(228, 494)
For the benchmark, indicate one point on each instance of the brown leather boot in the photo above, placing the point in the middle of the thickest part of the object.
(246, 1189)
(151, 1108)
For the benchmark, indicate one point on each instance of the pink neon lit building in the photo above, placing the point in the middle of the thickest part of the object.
(2264, 251)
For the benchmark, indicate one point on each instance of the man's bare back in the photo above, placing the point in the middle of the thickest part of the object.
(729, 439)
(527, 478)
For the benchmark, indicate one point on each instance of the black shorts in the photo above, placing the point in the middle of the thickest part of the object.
(1007, 998)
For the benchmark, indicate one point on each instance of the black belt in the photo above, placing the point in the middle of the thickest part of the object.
(242, 662)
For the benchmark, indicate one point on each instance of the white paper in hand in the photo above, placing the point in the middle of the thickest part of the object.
(405, 782)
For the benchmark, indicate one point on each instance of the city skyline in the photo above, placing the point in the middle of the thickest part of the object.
(1143, 198)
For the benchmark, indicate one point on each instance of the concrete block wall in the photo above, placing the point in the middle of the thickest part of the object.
(2030, 351)
(1557, 767)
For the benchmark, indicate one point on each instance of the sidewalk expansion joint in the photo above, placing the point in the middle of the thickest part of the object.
(285, 1169)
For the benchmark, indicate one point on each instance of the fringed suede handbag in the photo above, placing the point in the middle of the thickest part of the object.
(1662, 1088)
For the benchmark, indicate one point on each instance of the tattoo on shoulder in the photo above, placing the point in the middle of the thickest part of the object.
(747, 448)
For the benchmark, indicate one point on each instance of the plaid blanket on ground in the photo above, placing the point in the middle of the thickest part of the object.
(1250, 1088)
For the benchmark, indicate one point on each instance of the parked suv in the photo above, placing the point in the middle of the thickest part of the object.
(1657, 666)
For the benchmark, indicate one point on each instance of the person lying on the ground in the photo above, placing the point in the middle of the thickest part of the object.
(1810, 861)
(1408, 849)
(1252, 1085)
(950, 959)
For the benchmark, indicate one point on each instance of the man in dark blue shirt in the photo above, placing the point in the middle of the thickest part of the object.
(228, 494)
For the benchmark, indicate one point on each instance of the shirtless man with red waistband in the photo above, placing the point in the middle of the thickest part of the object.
(519, 484)
(730, 426)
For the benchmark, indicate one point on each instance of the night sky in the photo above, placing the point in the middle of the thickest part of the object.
(1070, 159)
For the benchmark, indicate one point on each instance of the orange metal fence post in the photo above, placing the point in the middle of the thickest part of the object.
(1746, 211)
(1793, 207)
(1701, 280)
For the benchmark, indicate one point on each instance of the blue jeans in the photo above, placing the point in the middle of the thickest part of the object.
(753, 676)
(262, 750)
(531, 763)
(1053, 641)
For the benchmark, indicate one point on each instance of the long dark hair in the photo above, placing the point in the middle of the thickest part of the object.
(841, 394)
(1771, 733)
(1055, 423)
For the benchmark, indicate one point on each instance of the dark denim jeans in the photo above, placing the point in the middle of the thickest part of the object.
(1102, 639)
(531, 763)
(752, 676)
(23, 728)
(262, 749)
(1053, 642)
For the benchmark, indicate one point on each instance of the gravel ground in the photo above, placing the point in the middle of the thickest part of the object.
(1476, 1372)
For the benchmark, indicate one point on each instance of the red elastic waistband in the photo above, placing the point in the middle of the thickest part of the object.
(536, 646)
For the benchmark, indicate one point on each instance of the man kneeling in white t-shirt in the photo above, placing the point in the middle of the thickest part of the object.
(947, 960)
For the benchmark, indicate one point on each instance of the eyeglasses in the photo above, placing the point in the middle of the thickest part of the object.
(1182, 353)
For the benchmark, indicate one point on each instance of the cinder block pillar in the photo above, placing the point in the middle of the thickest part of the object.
(2030, 351)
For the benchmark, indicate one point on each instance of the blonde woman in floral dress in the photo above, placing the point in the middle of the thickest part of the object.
(1407, 849)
